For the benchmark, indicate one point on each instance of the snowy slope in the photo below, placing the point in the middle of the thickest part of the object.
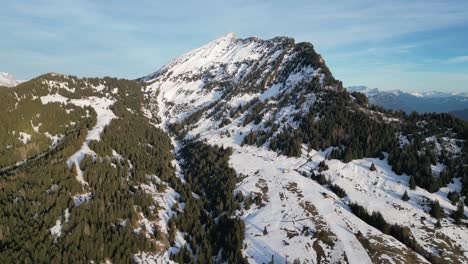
(305, 220)
(289, 190)
(299, 212)
(8, 80)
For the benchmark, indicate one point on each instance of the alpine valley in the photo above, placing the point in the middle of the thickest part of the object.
(240, 151)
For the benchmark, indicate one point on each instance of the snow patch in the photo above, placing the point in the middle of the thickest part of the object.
(24, 137)
(56, 230)
(81, 198)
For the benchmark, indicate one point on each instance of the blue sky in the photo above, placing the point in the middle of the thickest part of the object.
(410, 45)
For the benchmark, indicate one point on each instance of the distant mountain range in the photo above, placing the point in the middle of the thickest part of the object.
(412, 101)
(8, 80)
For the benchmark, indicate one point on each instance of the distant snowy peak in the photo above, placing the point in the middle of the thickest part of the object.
(435, 94)
(432, 101)
(363, 89)
(8, 80)
(370, 92)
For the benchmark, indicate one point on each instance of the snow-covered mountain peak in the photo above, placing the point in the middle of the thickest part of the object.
(8, 80)
(428, 94)
(235, 71)
(228, 37)
(266, 98)
(430, 101)
(225, 50)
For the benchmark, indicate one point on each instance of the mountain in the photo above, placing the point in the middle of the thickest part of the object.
(8, 80)
(263, 98)
(420, 102)
(240, 151)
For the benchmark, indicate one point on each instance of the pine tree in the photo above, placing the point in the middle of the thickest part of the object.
(248, 202)
(258, 200)
(265, 231)
(436, 211)
(322, 166)
(239, 197)
(405, 196)
(372, 167)
(458, 214)
(412, 183)
(454, 197)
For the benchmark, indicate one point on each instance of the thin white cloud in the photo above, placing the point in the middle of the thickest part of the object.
(459, 59)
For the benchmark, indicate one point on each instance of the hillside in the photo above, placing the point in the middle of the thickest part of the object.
(296, 108)
(240, 151)
(74, 186)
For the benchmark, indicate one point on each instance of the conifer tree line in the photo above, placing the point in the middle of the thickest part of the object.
(104, 226)
(24, 113)
(208, 220)
(401, 233)
(40, 193)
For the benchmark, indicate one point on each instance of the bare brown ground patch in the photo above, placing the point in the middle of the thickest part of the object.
(449, 250)
(377, 249)
(292, 187)
(323, 233)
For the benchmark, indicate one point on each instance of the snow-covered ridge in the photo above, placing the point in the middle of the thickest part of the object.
(227, 55)
(231, 70)
(226, 49)
(8, 80)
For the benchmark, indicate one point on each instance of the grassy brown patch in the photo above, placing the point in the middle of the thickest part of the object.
(379, 250)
